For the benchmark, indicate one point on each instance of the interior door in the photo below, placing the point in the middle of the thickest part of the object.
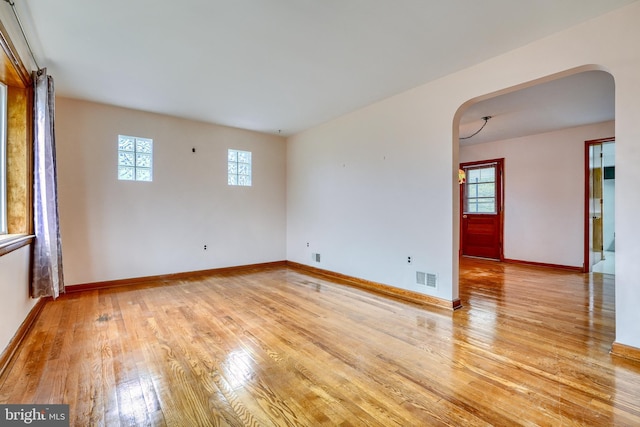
(482, 209)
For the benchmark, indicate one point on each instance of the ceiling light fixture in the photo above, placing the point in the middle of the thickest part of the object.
(462, 176)
(486, 119)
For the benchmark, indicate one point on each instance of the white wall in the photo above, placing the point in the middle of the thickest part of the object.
(15, 303)
(544, 192)
(367, 216)
(360, 192)
(122, 229)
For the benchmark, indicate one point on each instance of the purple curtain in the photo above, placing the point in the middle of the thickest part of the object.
(47, 279)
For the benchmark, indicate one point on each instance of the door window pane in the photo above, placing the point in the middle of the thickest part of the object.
(480, 190)
(486, 174)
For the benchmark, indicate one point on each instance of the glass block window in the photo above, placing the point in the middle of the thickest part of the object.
(135, 158)
(239, 168)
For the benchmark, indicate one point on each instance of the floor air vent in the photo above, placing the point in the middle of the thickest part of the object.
(426, 279)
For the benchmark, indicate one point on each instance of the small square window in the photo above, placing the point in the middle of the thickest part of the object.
(239, 168)
(135, 158)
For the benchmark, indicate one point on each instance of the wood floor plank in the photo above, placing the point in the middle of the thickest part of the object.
(277, 347)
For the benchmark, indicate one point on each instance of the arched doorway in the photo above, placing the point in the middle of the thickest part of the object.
(539, 128)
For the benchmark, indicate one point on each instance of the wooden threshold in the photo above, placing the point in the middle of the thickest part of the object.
(543, 264)
(163, 279)
(379, 288)
(626, 351)
(7, 355)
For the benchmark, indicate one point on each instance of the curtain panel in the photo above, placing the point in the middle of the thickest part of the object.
(47, 278)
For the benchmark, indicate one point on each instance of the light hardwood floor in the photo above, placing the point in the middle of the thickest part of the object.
(281, 347)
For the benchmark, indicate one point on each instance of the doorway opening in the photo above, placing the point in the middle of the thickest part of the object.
(599, 222)
(539, 127)
(481, 209)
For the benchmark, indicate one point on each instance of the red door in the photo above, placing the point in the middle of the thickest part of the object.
(481, 209)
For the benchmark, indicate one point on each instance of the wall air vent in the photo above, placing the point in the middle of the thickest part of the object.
(427, 279)
(315, 257)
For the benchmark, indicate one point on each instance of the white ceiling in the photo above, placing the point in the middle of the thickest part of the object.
(270, 65)
(577, 100)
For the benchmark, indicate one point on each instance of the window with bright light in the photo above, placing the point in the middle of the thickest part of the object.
(239, 168)
(135, 158)
(480, 193)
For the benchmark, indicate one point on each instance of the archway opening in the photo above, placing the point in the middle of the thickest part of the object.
(539, 128)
